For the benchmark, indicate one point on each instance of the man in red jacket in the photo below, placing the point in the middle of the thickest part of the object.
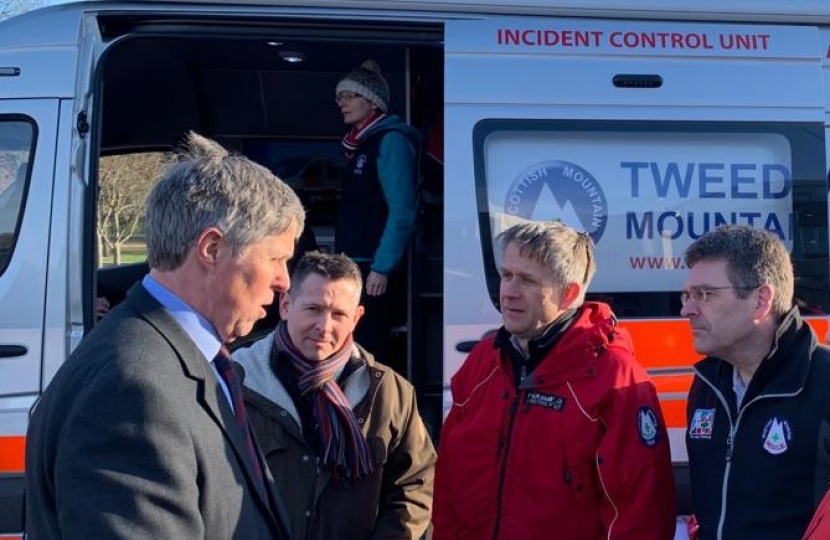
(819, 527)
(555, 431)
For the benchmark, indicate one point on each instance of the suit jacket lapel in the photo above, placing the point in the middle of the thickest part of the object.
(217, 406)
(212, 397)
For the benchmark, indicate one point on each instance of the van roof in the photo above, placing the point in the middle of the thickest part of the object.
(778, 11)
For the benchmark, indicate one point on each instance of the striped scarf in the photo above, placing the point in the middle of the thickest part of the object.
(351, 140)
(343, 446)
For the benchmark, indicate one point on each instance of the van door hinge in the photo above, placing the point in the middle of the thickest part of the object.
(82, 124)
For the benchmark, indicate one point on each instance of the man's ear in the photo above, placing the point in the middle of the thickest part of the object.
(208, 245)
(570, 293)
(763, 305)
(358, 313)
(285, 301)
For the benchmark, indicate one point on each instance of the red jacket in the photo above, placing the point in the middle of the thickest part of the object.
(580, 451)
(819, 527)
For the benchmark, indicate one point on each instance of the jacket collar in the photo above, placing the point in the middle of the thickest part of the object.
(572, 343)
(190, 356)
(783, 370)
(541, 344)
(260, 376)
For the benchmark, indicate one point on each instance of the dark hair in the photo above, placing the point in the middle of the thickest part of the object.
(330, 266)
(753, 258)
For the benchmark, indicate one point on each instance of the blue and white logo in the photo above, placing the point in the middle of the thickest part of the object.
(559, 191)
(648, 426)
(361, 161)
(777, 435)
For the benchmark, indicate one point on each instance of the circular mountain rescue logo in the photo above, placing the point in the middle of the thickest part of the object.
(559, 191)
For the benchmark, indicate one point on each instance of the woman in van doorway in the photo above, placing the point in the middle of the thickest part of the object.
(377, 210)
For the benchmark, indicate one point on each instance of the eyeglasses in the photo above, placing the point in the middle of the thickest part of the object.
(701, 294)
(345, 96)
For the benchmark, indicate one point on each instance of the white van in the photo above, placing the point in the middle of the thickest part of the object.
(645, 124)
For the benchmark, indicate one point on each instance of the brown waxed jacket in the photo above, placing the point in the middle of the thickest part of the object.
(394, 503)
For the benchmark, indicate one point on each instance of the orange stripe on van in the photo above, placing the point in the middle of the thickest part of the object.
(673, 384)
(12, 454)
(662, 343)
(665, 349)
(674, 412)
(819, 325)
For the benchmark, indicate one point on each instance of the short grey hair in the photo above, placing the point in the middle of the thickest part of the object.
(568, 254)
(753, 258)
(207, 186)
(328, 265)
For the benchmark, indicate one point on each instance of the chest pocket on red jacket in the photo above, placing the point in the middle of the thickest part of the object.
(581, 446)
(561, 433)
(547, 480)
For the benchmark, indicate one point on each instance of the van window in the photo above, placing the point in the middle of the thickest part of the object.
(644, 191)
(124, 182)
(16, 151)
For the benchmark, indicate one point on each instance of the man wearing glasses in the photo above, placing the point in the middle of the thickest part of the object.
(759, 408)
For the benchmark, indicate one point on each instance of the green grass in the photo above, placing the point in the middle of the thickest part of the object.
(127, 257)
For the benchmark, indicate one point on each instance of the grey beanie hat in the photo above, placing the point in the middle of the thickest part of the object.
(368, 82)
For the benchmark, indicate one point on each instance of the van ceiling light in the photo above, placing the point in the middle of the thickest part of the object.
(274, 43)
(292, 57)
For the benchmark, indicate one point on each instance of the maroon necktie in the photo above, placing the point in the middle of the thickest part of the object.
(224, 365)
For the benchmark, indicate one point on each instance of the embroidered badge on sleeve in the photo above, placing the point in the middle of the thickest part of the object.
(647, 425)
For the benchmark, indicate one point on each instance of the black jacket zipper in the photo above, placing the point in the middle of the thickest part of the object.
(514, 407)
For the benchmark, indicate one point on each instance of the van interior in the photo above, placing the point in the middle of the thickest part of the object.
(264, 87)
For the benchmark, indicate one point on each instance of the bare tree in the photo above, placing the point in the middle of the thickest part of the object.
(124, 182)
(10, 8)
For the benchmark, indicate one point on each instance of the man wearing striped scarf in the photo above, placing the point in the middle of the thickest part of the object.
(341, 432)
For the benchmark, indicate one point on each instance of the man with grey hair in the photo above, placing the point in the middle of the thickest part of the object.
(554, 430)
(759, 407)
(142, 433)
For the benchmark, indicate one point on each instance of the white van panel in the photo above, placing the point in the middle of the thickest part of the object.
(770, 10)
(63, 323)
(571, 80)
(57, 27)
(560, 36)
(46, 58)
(556, 66)
(23, 284)
(490, 80)
(825, 65)
(48, 72)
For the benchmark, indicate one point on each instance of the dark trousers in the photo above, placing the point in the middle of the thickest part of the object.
(382, 313)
